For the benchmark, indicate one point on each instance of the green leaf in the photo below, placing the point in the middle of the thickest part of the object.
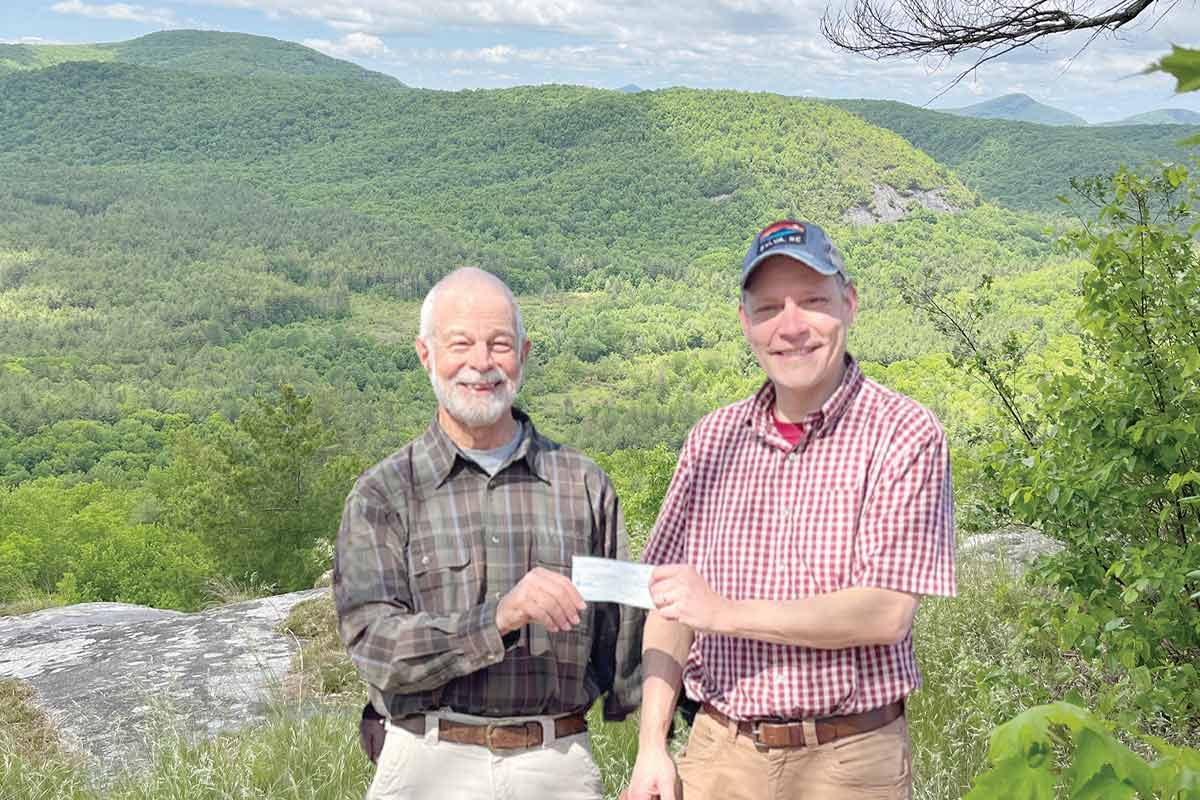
(1014, 779)
(1184, 64)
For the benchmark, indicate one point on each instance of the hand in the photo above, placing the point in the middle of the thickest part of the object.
(542, 596)
(653, 776)
(681, 595)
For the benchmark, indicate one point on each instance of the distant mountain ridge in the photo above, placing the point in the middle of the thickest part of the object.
(1162, 116)
(199, 52)
(1018, 107)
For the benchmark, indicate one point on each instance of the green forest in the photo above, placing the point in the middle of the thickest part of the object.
(213, 249)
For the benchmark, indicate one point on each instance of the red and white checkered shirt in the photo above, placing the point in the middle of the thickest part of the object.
(864, 499)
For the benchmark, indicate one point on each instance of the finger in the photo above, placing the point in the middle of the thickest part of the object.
(534, 607)
(559, 595)
(549, 602)
(664, 571)
(570, 593)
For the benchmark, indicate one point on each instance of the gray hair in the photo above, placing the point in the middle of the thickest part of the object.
(426, 331)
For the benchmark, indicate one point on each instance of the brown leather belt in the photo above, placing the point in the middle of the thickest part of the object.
(774, 733)
(495, 737)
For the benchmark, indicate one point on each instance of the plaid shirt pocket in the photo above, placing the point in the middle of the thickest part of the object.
(444, 576)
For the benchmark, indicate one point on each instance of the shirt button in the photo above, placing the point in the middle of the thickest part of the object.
(782, 567)
(495, 540)
(780, 679)
(496, 595)
(425, 560)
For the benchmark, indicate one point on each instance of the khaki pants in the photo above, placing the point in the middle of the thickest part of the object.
(413, 767)
(718, 764)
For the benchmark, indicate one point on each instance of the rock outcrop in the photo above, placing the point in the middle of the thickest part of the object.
(1016, 546)
(890, 205)
(109, 675)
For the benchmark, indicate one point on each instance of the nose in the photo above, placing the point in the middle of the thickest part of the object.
(480, 357)
(793, 320)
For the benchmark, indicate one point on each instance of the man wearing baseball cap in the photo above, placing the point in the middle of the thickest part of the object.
(800, 529)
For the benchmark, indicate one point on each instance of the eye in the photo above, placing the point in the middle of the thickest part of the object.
(501, 347)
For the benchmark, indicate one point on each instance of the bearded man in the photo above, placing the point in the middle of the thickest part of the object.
(451, 579)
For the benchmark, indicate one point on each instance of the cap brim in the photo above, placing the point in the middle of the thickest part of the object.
(793, 253)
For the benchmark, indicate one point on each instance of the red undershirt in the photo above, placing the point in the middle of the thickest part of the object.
(790, 431)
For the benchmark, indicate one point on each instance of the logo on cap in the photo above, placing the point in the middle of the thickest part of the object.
(779, 234)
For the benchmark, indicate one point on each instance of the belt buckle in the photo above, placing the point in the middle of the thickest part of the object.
(756, 736)
(488, 730)
(756, 732)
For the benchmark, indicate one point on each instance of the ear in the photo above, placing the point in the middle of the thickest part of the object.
(422, 352)
(525, 350)
(851, 294)
(745, 319)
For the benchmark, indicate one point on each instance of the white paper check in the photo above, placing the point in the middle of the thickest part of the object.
(606, 580)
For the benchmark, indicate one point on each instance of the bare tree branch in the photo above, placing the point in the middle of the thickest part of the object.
(987, 29)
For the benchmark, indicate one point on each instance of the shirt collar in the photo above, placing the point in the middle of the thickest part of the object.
(761, 411)
(442, 452)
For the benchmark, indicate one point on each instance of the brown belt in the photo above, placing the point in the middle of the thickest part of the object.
(495, 737)
(771, 733)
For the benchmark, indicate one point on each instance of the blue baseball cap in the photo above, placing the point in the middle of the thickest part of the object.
(802, 241)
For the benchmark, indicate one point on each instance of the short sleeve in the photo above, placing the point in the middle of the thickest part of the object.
(668, 540)
(906, 534)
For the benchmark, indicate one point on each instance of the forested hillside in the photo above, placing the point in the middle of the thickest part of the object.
(201, 52)
(1021, 164)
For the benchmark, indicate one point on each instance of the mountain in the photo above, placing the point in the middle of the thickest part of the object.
(199, 52)
(631, 88)
(1163, 116)
(1020, 164)
(1020, 108)
(529, 179)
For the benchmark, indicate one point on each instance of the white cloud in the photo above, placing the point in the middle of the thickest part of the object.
(362, 45)
(30, 40)
(772, 45)
(117, 11)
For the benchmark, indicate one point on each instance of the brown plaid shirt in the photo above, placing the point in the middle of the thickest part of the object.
(428, 545)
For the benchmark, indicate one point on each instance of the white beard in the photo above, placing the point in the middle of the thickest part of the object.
(473, 411)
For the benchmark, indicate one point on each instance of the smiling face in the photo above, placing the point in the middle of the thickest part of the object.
(796, 321)
(473, 355)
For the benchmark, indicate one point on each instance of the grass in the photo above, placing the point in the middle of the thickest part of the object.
(321, 667)
(290, 756)
(30, 601)
(222, 590)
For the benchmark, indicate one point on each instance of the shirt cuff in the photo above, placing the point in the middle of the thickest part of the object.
(482, 643)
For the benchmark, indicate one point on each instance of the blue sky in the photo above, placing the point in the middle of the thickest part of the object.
(761, 45)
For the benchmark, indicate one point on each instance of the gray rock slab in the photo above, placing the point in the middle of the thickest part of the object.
(891, 205)
(112, 676)
(1017, 546)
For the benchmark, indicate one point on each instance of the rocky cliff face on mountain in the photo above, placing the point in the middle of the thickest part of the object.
(890, 205)
(107, 673)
